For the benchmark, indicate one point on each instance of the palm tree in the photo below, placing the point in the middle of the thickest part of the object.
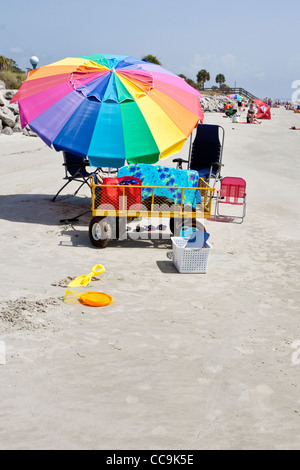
(220, 79)
(151, 58)
(5, 63)
(202, 77)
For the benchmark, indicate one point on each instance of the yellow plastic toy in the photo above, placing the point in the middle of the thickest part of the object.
(93, 299)
(96, 299)
(71, 297)
(85, 279)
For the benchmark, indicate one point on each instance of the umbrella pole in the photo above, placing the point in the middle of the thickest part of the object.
(190, 149)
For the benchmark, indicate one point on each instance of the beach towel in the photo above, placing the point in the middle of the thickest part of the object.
(155, 175)
(245, 122)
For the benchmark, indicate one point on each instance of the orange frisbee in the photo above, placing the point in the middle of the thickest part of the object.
(96, 299)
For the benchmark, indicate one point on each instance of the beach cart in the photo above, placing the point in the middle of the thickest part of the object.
(114, 205)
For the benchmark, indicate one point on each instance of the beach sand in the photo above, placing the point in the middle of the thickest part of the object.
(180, 361)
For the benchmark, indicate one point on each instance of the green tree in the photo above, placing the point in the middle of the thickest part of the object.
(202, 77)
(15, 68)
(10, 73)
(191, 83)
(151, 58)
(224, 87)
(9, 64)
(220, 79)
(5, 63)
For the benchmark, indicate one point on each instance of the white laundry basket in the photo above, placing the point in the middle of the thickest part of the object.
(189, 260)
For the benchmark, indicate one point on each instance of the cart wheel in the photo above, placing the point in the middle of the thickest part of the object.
(177, 224)
(100, 231)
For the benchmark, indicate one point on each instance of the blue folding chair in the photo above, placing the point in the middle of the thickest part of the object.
(75, 170)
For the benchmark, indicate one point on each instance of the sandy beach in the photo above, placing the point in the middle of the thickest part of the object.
(179, 361)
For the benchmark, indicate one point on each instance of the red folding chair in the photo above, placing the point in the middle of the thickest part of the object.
(232, 192)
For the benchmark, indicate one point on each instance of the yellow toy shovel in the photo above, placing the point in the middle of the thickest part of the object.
(85, 279)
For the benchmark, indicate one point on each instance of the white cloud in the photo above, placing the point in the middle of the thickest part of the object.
(16, 50)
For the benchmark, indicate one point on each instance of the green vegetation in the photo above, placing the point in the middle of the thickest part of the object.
(151, 58)
(202, 77)
(224, 87)
(5, 63)
(12, 80)
(220, 79)
(214, 91)
(10, 73)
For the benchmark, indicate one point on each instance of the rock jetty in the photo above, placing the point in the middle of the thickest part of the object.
(215, 103)
(10, 116)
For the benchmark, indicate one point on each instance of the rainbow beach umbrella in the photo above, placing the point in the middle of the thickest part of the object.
(109, 108)
(235, 96)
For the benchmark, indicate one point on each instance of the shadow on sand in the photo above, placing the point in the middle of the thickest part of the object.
(81, 238)
(40, 209)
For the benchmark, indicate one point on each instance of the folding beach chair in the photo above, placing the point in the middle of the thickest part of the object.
(75, 170)
(206, 152)
(232, 192)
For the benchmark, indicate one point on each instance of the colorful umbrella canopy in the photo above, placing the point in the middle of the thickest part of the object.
(235, 97)
(109, 108)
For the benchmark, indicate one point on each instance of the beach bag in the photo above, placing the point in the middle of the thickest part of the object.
(112, 196)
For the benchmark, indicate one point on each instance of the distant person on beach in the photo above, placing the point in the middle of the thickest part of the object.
(295, 128)
(251, 117)
(228, 106)
(229, 110)
(250, 114)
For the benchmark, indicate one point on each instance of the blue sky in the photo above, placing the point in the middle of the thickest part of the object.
(254, 44)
